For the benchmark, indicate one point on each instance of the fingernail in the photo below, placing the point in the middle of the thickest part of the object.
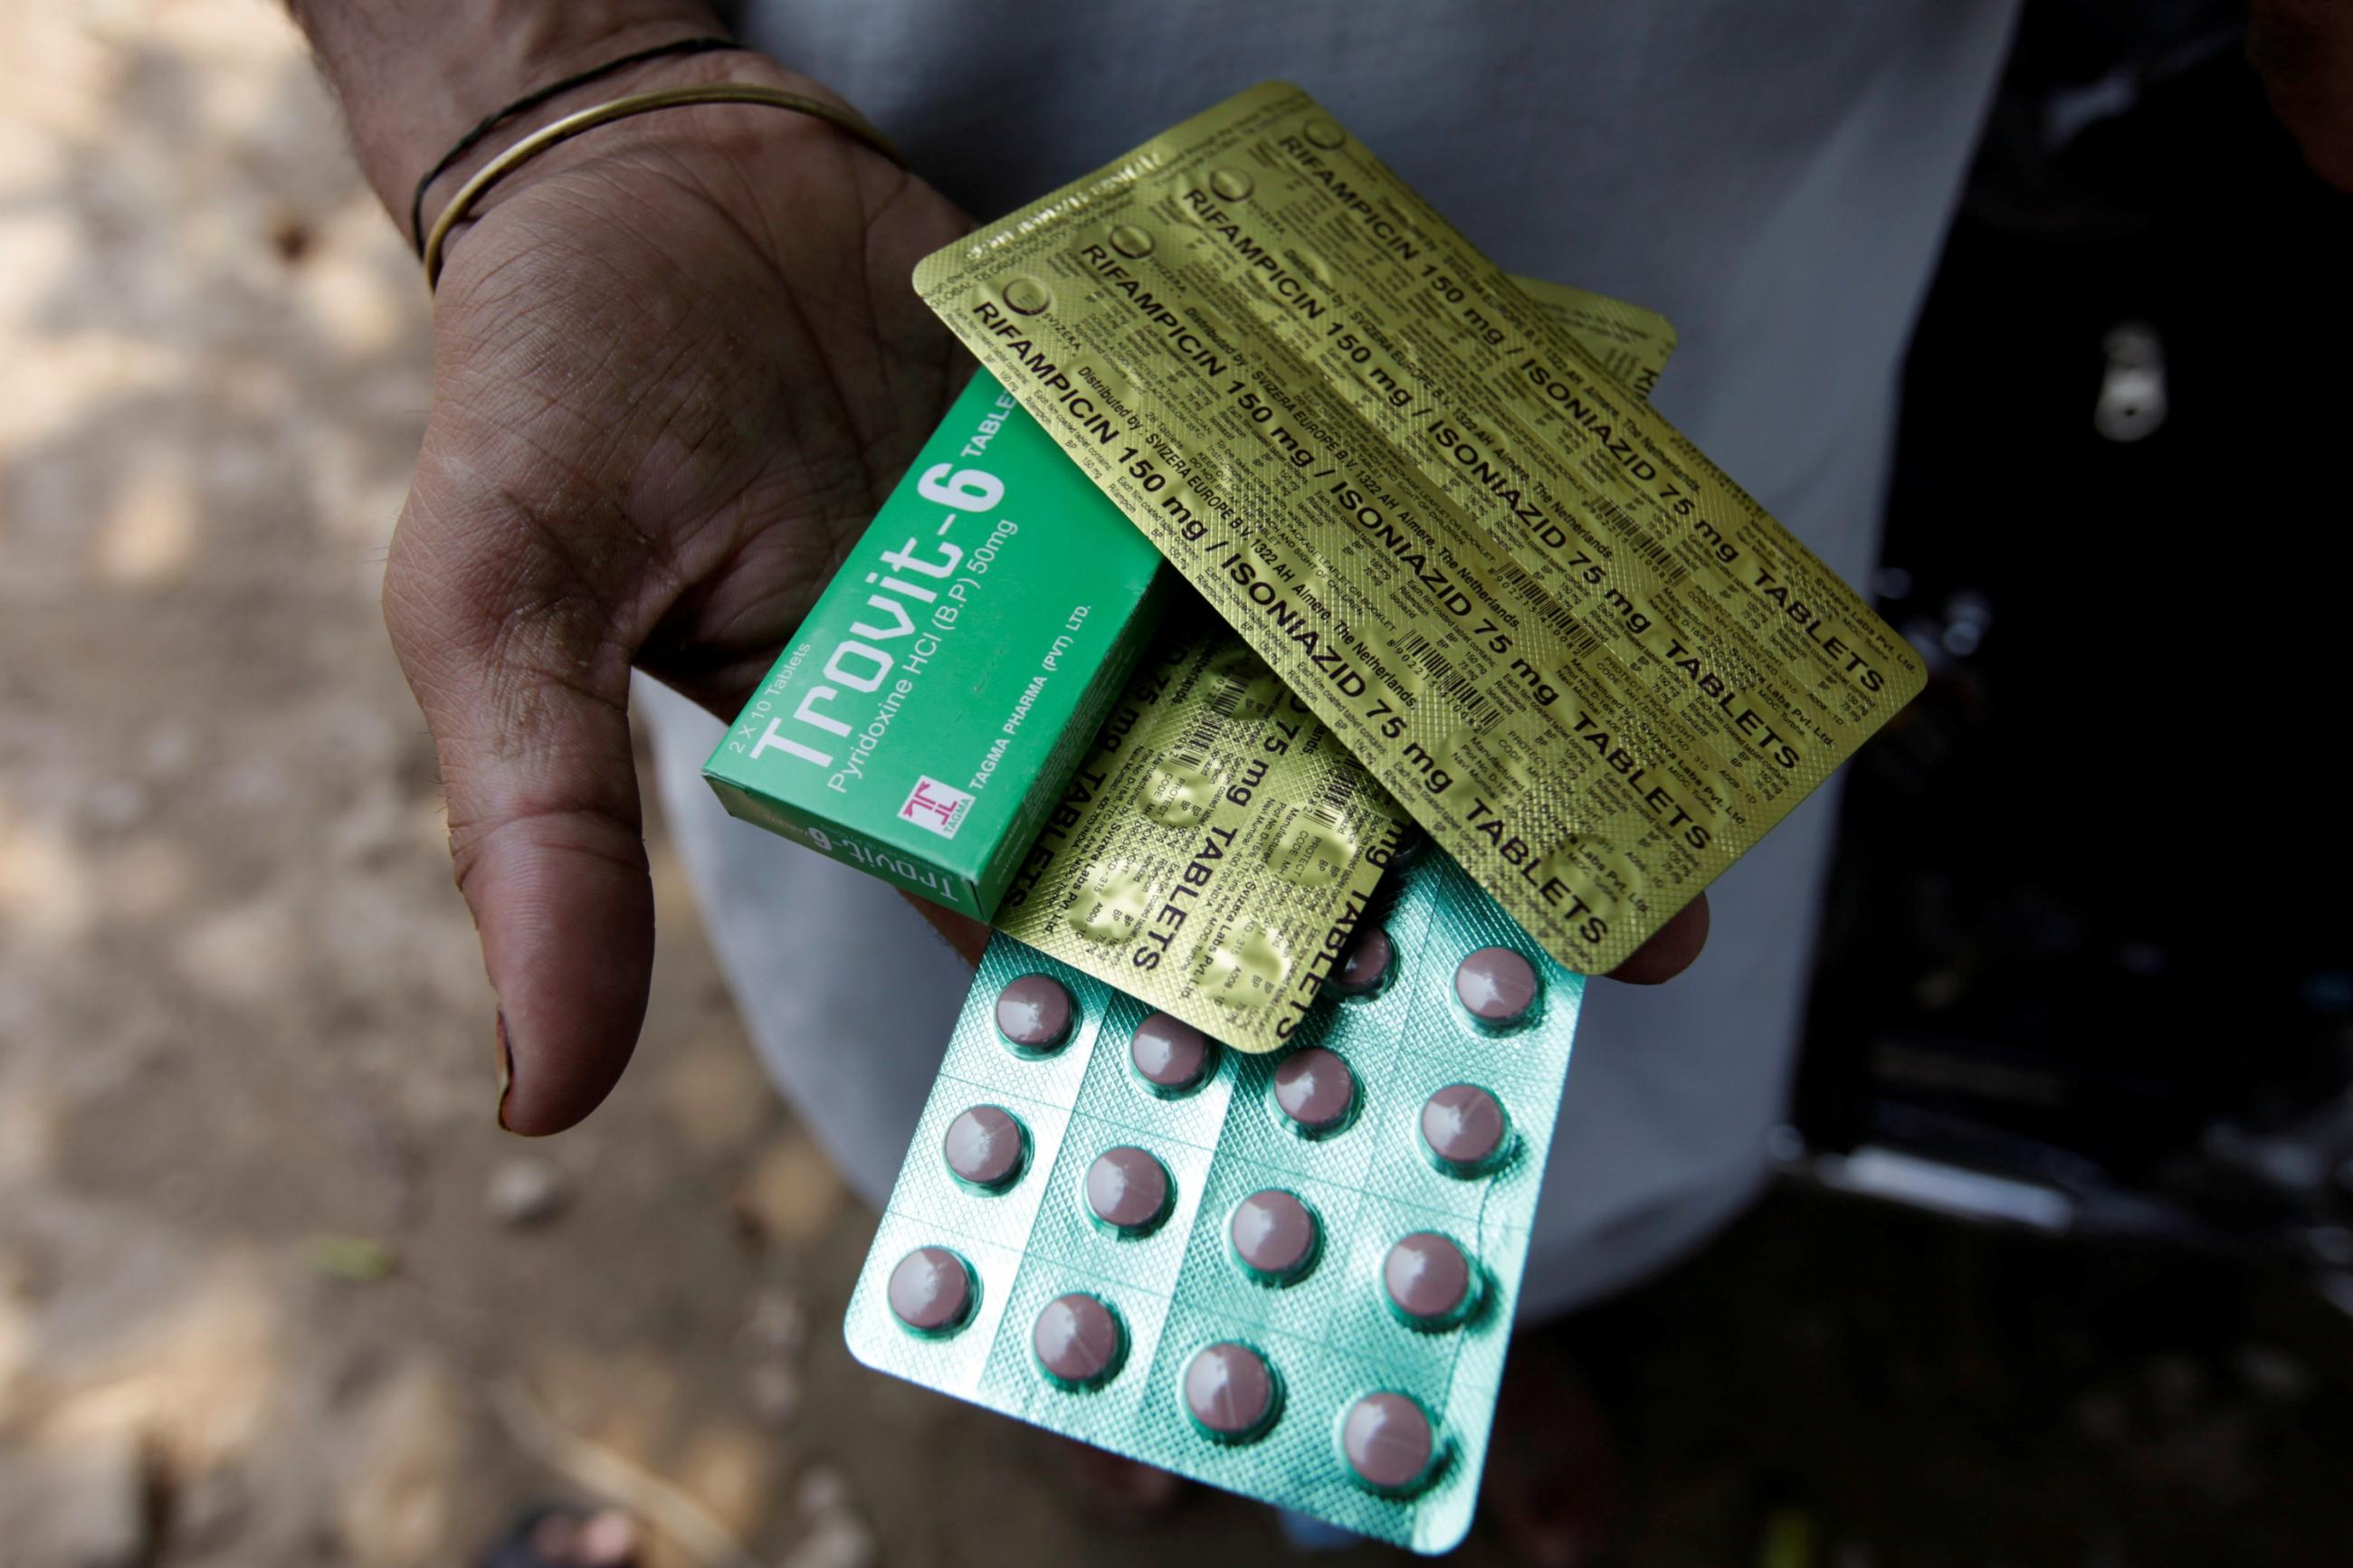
(506, 1072)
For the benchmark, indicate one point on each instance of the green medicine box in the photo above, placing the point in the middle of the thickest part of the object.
(928, 714)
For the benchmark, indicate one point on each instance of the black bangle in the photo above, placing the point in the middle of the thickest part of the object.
(530, 101)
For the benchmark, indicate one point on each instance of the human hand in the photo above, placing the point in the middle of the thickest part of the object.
(678, 366)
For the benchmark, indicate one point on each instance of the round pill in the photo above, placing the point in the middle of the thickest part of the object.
(1365, 964)
(1314, 1089)
(1387, 1441)
(983, 1146)
(1496, 985)
(1465, 1126)
(1077, 1340)
(1170, 1053)
(1034, 1011)
(1427, 1278)
(1273, 1233)
(1228, 1390)
(1127, 1189)
(931, 1291)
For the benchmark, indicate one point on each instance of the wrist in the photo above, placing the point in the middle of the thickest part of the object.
(647, 106)
(414, 77)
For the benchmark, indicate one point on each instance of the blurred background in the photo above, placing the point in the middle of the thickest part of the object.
(2062, 1271)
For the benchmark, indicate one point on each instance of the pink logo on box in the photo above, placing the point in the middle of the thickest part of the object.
(937, 807)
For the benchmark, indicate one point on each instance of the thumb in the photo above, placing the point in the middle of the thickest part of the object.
(513, 657)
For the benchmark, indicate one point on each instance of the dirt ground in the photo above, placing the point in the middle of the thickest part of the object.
(274, 1290)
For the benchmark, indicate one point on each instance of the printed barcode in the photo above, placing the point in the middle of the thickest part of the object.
(1193, 749)
(1220, 703)
(1521, 582)
(1582, 641)
(1339, 789)
(1471, 703)
(1661, 558)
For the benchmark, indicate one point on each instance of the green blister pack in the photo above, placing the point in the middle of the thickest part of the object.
(1290, 1276)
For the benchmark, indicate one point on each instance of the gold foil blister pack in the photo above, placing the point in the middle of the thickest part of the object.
(1593, 669)
(1217, 846)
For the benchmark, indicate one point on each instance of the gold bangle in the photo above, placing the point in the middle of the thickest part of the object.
(563, 130)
